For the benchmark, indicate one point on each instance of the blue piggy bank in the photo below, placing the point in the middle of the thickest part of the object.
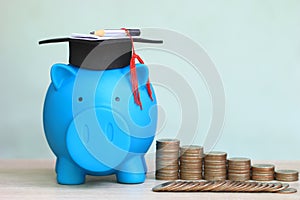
(93, 125)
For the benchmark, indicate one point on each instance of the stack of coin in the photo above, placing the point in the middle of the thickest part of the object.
(215, 166)
(239, 169)
(263, 172)
(167, 153)
(191, 162)
(287, 175)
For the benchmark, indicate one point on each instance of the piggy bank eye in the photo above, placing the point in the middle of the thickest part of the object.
(80, 99)
(117, 99)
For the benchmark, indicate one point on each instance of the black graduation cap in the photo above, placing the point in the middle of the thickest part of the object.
(99, 53)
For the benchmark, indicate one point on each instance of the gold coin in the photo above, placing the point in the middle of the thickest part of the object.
(190, 175)
(164, 186)
(263, 167)
(190, 167)
(191, 159)
(215, 178)
(164, 173)
(167, 140)
(217, 173)
(215, 162)
(287, 172)
(190, 171)
(239, 160)
(215, 155)
(193, 149)
(239, 178)
(191, 178)
(166, 178)
(166, 164)
(288, 191)
(221, 167)
(262, 178)
(238, 171)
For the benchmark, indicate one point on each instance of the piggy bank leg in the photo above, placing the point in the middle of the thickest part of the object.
(133, 170)
(68, 173)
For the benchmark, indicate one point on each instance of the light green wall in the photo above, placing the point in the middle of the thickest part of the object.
(254, 44)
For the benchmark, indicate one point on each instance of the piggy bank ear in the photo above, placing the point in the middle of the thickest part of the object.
(142, 73)
(59, 73)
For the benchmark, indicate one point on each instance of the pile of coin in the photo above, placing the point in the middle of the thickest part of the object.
(191, 162)
(167, 154)
(215, 166)
(224, 186)
(287, 175)
(263, 172)
(239, 169)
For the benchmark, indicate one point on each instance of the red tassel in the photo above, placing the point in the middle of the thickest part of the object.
(134, 82)
(133, 75)
(149, 90)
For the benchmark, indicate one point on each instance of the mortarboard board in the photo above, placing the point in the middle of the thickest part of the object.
(99, 53)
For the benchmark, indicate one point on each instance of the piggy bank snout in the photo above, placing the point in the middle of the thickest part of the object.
(100, 123)
(87, 130)
(94, 132)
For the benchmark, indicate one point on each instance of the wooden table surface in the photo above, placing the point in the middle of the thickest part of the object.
(35, 179)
